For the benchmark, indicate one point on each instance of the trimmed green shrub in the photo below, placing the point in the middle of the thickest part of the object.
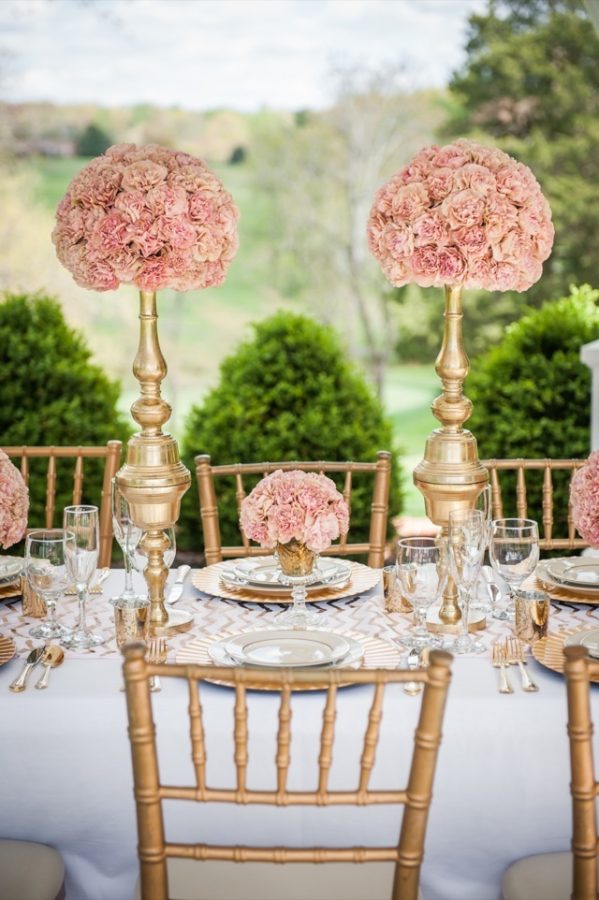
(290, 393)
(532, 394)
(50, 393)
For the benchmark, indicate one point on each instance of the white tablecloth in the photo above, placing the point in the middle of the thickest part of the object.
(501, 789)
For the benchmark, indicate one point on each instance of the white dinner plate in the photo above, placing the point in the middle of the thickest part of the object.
(588, 638)
(263, 575)
(576, 591)
(286, 648)
(579, 572)
(352, 658)
(10, 568)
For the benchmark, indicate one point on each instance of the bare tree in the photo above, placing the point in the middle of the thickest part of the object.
(322, 171)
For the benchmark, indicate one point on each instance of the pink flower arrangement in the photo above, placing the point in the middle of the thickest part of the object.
(462, 214)
(14, 503)
(301, 506)
(584, 499)
(146, 216)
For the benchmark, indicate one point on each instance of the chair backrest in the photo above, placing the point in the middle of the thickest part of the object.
(153, 847)
(545, 486)
(111, 453)
(579, 669)
(380, 470)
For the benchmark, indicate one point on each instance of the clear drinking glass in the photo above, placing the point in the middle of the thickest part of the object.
(46, 573)
(484, 504)
(128, 536)
(514, 553)
(467, 539)
(81, 542)
(422, 573)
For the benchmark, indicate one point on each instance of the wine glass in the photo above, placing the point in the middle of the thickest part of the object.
(81, 543)
(484, 504)
(128, 536)
(467, 537)
(47, 575)
(422, 573)
(514, 553)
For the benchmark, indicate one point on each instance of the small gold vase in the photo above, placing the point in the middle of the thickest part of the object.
(295, 558)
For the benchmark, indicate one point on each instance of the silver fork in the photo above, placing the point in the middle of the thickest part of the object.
(156, 655)
(514, 650)
(500, 662)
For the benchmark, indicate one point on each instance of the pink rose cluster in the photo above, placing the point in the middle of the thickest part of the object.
(14, 503)
(584, 499)
(295, 505)
(463, 214)
(146, 216)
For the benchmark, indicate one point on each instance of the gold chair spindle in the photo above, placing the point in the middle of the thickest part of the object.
(283, 742)
(78, 481)
(521, 504)
(50, 489)
(547, 503)
(370, 739)
(327, 736)
(198, 748)
(241, 739)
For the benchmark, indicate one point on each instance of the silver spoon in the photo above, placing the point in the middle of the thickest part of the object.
(53, 657)
(413, 687)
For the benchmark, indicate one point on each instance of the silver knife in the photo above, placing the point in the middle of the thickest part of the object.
(176, 589)
(20, 683)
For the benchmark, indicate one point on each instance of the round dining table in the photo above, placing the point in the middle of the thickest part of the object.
(501, 788)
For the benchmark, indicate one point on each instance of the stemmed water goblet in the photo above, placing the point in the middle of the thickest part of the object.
(128, 536)
(467, 540)
(81, 543)
(514, 553)
(46, 574)
(422, 573)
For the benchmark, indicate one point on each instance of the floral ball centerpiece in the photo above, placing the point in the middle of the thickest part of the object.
(146, 216)
(584, 499)
(463, 214)
(14, 503)
(298, 513)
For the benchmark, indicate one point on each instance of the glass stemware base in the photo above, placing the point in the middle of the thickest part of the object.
(49, 631)
(83, 640)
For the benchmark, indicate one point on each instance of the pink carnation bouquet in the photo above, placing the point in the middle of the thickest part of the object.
(584, 499)
(301, 506)
(463, 214)
(14, 503)
(146, 216)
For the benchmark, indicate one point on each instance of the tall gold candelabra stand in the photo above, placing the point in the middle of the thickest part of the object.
(153, 479)
(451, 476)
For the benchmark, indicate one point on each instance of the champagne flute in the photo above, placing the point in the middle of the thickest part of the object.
(467, 538)
(514, 553)
(422, 573)
(128, 536)
(47, 575)
(81, 543)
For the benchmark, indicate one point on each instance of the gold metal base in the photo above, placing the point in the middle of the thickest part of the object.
(179, 620)
(476, 622)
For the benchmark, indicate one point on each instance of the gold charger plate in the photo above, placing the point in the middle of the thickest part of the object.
(549, 651)
(207, 580)
(378, 654)
(8, 649)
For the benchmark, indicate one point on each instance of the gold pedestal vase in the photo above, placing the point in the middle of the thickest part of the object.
(451, 476)
(153, 479)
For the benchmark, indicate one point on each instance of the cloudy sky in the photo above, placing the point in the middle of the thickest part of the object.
(202, 54)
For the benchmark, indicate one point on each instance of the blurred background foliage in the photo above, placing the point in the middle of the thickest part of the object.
(304, 181)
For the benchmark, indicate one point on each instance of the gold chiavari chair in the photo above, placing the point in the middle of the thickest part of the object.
(175, 869)
(110, 453)
(380, 470)
(561, 876)
(546, 515)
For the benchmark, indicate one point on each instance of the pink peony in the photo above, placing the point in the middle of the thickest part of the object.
(301, 506)
(472, 214)
(584, 500)
(147, 216)
(14, 503)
